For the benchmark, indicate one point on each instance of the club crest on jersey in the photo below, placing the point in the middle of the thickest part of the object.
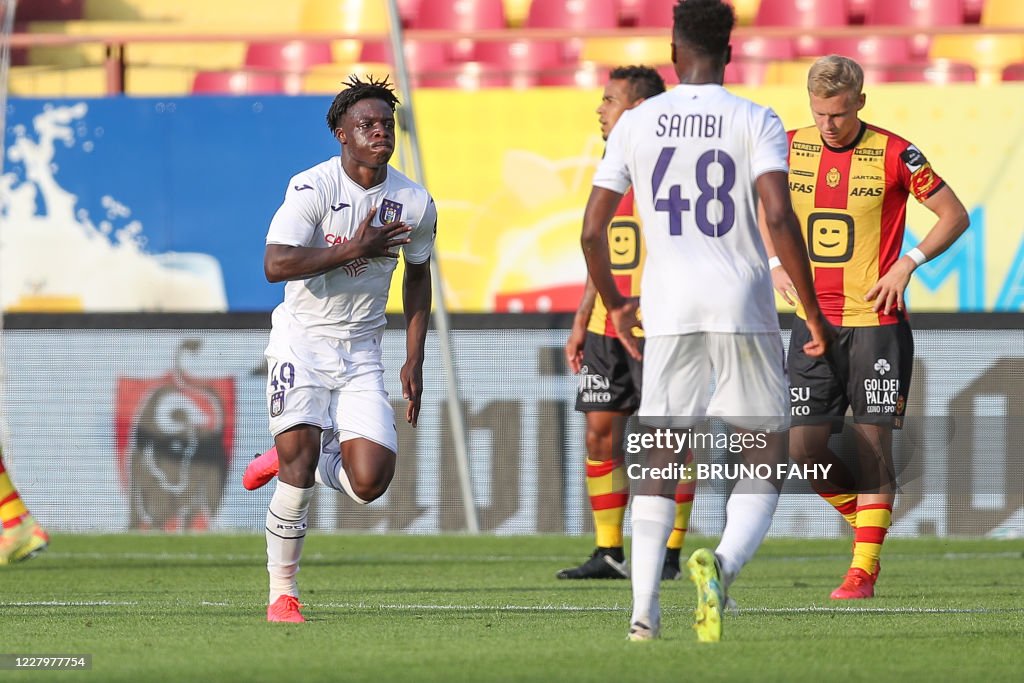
(833, 177)
(276, 403)
(390, 211)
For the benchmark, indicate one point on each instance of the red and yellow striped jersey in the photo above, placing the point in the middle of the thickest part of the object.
(852, 203)
(627, 254)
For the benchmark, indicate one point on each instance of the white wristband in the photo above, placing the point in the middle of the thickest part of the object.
(774, 263)
(917, 256)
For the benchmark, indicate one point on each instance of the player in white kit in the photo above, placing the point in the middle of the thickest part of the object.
(697, 158)
(336, 240)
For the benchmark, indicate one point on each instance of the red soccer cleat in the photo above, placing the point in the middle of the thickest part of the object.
(285, 608)
(262, 469)
(856, 586)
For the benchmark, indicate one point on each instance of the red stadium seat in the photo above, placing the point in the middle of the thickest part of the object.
(936, 72)
(972, 11)
(48, 10)
(466, 16)
(289, 55)
(586, 75)
(577, 15)
(857, 10)
(655, 13)
(922, 13)
(805, 14)
(1014, 72)
(237, 83)
(521, 55)
(474, 76)
(871, 50)
(420, 55)
(751, 57)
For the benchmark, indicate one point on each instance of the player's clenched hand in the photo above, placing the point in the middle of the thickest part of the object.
(625, 320)
(574, 347)
(887, 293)
(822, 336)
(784, 285)
(371, 242)
(412, 388)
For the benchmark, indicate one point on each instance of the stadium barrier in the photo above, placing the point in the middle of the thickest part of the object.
(147, 421)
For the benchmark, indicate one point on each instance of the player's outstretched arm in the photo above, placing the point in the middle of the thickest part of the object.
(952, 221)
(578, 334)
(623, 312)
(416, 296)
(784, 228)
(282, 262)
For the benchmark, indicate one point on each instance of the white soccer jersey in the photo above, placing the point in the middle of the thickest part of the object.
(692, 155)
(322, 207)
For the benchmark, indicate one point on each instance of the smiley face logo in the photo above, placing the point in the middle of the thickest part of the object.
(829, 237)
(624, 244)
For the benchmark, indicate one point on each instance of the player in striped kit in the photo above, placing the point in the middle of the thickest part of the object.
(698, 158)
(22, 537)
(609, 378)
(849, 183)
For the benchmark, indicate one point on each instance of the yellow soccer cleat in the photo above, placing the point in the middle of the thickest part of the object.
(22, 541)
(707, 576)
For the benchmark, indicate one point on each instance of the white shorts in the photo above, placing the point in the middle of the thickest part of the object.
(750, 391)
(333, 384)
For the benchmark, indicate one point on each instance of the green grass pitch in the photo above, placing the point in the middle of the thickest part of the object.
(456, 608)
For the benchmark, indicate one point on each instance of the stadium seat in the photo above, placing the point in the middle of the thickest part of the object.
(345, 16)
(289, 55)
(420, 55)
(751, 57)
(521, 55)
(871, 50)
(575, 15)
(585, 75)
(48, 10)
(1003, 13)
(328, 78)
(972, 11)
(226, 16)
(466, 16)
(916, 13)
(1014, 72)
(618, 51)
(857, 10)
(806, 14)
(987, 53)
(655, 13)
(791, 72)
(203, 56)
(150, 81)
(239, 82)
(516, 11)
(936, 72)
(36, 81)
(475, 76)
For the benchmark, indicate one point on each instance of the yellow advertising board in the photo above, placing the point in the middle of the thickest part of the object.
(511, 173)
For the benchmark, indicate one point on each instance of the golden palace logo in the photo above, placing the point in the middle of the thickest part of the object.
(833, 177)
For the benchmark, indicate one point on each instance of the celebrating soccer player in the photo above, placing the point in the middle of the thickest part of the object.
(698, 158)
(336, 240)
(609, 384)
(849, 183)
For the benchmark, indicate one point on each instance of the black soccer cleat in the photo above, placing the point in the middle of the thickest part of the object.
(670, 571)
(604, 563)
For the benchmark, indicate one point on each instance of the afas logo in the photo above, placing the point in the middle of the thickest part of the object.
(866, 192)
(801, 187)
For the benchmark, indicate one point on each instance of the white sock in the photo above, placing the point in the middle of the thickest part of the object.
(331, 472)
(653, 517)
(286, 531)
(748, 516)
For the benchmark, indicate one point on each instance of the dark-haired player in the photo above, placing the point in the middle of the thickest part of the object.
(609, 384)
(335, 240)
(698, 158)
(849, 183)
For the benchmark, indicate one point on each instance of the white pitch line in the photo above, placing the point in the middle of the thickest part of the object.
(60, 603)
